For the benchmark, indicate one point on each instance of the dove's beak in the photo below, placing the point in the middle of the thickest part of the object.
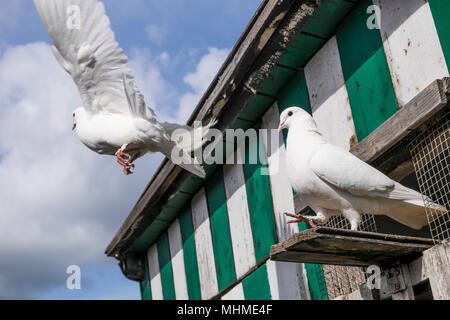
(282, 126)
(74, 126)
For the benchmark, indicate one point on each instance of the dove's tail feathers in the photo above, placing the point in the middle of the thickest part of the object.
(409, 208)
(187, 138)
(184, 160)
(440, 210)
(413, 216)
(413, 197)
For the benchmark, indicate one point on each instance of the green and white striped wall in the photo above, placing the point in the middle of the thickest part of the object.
(357, 78)
(220, 242)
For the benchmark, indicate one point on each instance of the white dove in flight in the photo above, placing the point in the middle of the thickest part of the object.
(114, 119)
(332, 181)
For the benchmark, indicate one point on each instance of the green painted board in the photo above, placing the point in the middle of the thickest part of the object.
(165, 267)
(192, 185)
(256, 285)
(327, 17)
(190, 254)
(301, 50)
(256, 107)
(366, 72)
(294, 93)
(314, 272)
(176, 202)
(146, 293)
(259, 203)
(220, 230)
(243, 124)
(276, 79)
(143, 242)
(316, 281)
(440, 10)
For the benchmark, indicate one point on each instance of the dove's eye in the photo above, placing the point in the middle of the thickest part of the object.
(290, 113)
(73, 115)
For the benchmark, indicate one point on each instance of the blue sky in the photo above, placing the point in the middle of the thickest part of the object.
(60, 203)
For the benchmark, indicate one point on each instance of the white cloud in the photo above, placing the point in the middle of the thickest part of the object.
(155, 33)
(60, 203)
(199, 81)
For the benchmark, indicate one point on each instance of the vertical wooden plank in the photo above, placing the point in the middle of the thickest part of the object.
(256, 285)
(165, 267)
(155, 276)
(288, 281)
(144, 285)
(204, 246)
(261, 210)
(220, 230)
(239, 217)
(273, 280)
(440, 9)
(436, 264)
(283, 201)
(177, 256)
(328, 96)
(280, 187)
(366, 72)
(237, 293)
(412, 46)
(316, 281)
(190, 254)
(408, 293)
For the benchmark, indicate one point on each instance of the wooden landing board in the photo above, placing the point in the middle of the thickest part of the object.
(344, 247)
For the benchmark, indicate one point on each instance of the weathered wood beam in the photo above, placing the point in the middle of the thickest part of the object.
(416, 112)
(350, 248)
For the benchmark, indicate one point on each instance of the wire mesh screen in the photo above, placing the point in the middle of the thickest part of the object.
(431, 157)
(340, 222)
(343, 280)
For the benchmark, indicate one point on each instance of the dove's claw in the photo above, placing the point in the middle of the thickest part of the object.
(127, 171)
(299, 218)
(126, 161)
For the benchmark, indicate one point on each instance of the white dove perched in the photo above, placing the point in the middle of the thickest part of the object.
(332, 181)
(115, 119)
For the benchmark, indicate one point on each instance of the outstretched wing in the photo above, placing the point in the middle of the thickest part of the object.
(85, 46)
(345, 171)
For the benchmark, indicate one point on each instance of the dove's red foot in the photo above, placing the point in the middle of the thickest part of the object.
(299, 218)
(126, 161)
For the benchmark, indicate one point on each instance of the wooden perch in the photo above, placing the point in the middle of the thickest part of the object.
(350, 248)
